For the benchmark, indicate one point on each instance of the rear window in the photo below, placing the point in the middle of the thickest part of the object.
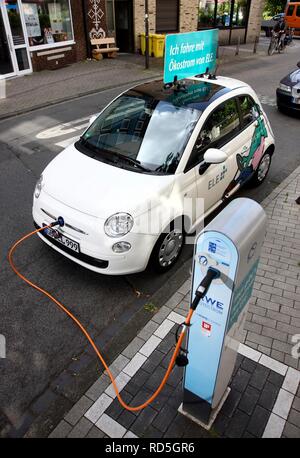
(290, 10)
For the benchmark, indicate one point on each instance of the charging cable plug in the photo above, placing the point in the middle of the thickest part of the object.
(59, 222)
(202, 289)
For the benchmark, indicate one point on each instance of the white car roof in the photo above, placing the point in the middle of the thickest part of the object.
(230, 83)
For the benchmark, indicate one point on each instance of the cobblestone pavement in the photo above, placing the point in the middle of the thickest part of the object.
(265, 394)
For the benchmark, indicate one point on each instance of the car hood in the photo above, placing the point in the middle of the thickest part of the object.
(99, 189)
(292, 79)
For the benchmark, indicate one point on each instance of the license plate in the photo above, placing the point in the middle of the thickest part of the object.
(62, 239)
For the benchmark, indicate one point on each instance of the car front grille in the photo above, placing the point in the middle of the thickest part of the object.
(76, 229)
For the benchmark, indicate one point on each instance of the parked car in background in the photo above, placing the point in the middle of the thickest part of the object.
(292, 16)
(278, 16)
(288, 92)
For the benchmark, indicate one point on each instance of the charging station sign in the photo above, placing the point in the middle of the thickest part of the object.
(189, 54)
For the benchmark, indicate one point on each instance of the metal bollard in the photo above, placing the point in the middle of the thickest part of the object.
(255, 44)
(237, 47)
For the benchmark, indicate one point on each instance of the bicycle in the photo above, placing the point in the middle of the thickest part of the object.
(277, 43)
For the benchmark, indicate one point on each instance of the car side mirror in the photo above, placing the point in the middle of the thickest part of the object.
(214, 156)
(92, 119)
(298, 64)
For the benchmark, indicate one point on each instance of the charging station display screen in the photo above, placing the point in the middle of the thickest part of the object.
(208, 324)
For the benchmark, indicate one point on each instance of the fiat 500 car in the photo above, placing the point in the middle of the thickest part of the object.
(148, 169)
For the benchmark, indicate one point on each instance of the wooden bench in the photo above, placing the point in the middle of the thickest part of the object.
(104, 45)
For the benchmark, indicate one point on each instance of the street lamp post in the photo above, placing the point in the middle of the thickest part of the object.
(147, 34)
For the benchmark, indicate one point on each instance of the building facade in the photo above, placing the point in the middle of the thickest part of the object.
(48, 34)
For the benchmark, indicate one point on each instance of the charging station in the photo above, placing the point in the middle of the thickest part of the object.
(230, 244)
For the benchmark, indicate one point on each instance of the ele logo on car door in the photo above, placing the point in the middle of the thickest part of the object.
(219, 177)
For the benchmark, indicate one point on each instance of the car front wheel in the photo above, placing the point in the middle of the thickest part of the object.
(168, 248)
(262, 170)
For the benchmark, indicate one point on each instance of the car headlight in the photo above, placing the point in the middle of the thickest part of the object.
(285, 88)
(118, 225)
(38, 187)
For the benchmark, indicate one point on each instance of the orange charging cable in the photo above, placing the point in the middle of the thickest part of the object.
(89, 338)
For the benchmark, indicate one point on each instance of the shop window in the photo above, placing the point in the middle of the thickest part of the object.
(223, 13)
(47, 21)
(239, 18)
(167, 12)
(13, 13)
(206, 13)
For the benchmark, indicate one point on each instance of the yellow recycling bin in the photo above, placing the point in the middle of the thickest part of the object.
(143, 43)
(158, 44)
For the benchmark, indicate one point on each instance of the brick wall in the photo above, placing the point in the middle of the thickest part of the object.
(188, 15)
(51, 59)
(139, 19)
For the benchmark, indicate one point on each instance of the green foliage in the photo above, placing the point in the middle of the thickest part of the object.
(150, 307)
(273, 7)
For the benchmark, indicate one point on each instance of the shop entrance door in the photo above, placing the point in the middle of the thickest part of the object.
(124, 25)
(14, 55)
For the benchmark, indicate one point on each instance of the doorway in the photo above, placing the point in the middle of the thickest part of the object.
(14, 55)
(124, 25)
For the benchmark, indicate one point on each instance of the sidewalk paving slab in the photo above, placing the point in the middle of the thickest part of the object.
(265, 392)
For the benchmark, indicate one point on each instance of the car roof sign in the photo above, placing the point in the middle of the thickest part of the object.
(189, 54)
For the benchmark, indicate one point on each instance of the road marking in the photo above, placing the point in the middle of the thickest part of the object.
(68, 142)
(64, 128)
(267, 100)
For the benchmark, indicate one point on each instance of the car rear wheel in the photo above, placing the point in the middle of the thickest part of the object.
(168, 247)
(262, 170)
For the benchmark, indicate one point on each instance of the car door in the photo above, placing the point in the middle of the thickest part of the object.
(253, 134)
(220, 130)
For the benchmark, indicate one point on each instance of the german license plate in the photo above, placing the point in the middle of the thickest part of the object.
(62, 239)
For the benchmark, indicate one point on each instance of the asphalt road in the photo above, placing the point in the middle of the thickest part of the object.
(40, 340)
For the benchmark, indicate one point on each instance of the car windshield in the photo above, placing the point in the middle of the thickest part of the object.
(141, 132)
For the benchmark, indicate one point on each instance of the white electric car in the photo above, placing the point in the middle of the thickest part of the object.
(149, 168)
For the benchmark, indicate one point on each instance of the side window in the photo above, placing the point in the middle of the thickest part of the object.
(290, 10)
(298, 11)
(249, 110)
(218, 129)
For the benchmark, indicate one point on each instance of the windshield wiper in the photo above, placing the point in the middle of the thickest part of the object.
(96, 152)
(112, 154)
(135, 162)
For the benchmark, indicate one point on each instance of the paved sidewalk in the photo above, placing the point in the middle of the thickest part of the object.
(47, 87)
(265, 394)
